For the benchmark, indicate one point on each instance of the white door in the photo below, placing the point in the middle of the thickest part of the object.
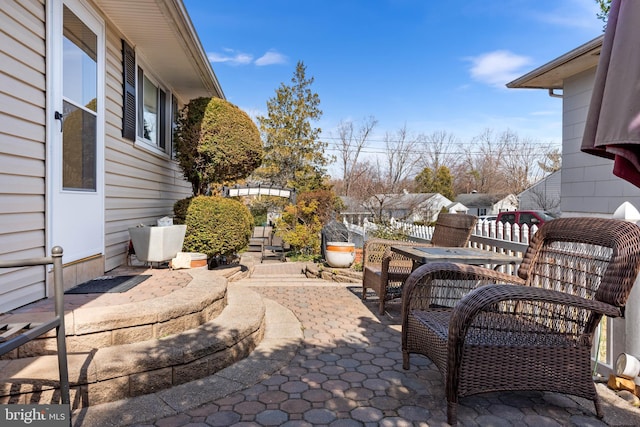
(76, 131)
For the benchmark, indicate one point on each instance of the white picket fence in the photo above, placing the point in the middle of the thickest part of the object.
(489, 235)
(511, 233)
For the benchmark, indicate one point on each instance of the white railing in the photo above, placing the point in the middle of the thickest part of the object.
(489, 235)
(508, 233)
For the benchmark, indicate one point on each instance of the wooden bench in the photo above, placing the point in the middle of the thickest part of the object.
(277, 248)
(260, 238)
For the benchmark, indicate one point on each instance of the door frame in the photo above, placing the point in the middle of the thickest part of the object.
(53, 154)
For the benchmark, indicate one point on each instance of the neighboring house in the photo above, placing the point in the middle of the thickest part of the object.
(544, 195)
(409, 207)
(354, 210)
(588, 186)
(90, 91)
(488, 204)
(456, 207)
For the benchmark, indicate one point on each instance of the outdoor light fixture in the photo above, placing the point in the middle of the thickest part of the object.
(256, 190)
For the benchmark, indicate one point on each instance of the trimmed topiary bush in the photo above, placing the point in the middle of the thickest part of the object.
(217, 226)
(216, 142)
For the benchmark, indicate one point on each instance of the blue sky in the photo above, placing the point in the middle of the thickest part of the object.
(429, 65)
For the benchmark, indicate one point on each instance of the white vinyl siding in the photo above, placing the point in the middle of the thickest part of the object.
(588, 184)
(141, 186)
(543, 195)
(22, 151)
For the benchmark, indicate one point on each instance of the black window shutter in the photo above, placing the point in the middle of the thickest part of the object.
(143, 132)
(162, 119)
(129, 92)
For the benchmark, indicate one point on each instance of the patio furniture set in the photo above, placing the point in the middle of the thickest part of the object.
(385, 271)
(264, 240)
(486, 330)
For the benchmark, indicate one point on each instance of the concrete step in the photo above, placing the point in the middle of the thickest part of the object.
(139, 368)
(89, 328)
(283, 336)
(284, 281)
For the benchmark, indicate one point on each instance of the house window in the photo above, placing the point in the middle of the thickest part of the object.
(175, 114)
(148, 113)
(152, 118)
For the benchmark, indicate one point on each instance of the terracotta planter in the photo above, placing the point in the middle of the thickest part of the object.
(340, 254)
(358, 258)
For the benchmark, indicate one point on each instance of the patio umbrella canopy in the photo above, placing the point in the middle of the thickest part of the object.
(613, 122)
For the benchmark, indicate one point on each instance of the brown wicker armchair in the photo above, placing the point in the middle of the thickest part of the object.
(385, 271)
(488, 331)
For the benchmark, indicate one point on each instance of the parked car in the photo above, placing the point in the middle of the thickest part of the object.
(530, 218)
(487, 218)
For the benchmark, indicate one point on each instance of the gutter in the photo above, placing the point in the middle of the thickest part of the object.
(592, 46)
(199, 55)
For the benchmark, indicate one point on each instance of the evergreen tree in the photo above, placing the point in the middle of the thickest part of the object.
(294, 156)
(605, 7)
(439, 182)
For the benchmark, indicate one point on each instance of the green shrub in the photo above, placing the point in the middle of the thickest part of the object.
(386, 231)
(328, 203)
(180, 210)
(300, 226)
(217, 226)
(216, 142)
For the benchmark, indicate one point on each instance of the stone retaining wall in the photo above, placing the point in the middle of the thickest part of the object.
(128, 370)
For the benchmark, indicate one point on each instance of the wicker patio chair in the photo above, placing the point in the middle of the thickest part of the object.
(385, 271)
(488, 331)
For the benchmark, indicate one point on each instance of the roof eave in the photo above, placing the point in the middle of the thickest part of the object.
(162, 32)
(552, 74)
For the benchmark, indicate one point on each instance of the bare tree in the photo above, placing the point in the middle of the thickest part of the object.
(552, 160)
(545, 201)
(401, 158)
(480, 169)
(440, 148)
(351, 143)
(501, 163)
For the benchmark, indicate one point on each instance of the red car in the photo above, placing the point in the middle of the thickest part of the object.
(525, 217)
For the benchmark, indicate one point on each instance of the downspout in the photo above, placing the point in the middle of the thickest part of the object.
(553, 94)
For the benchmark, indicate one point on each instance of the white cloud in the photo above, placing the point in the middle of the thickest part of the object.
(578, 14)
(230, 56)
(271, 58)
(497, 68)
(233, 57)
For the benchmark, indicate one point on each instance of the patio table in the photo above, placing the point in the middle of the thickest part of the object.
(472, 256)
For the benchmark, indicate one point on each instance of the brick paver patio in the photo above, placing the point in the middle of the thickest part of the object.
(348, 372)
